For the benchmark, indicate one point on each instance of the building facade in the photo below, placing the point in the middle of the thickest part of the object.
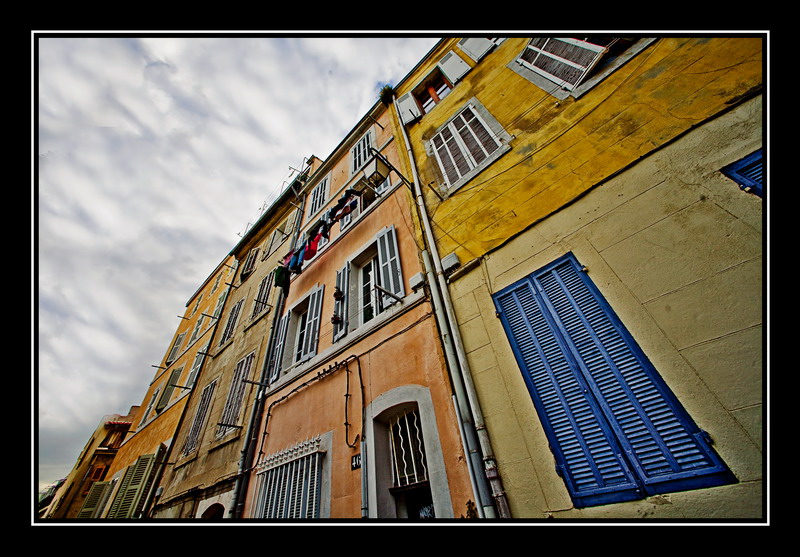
(596, 212)
(129, 488)
(91, 469)
(358, 418)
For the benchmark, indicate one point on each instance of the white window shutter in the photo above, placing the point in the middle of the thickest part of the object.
(340, 306)
(309, 347)
(476, 47)
(408, 108)
(276, 357)
(453, 66)
(389, 263)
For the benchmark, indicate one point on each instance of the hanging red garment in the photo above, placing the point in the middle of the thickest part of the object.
(311, 247)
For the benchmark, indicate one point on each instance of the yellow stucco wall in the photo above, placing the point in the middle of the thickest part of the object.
(146, 435)
(562, 148)
(627, 178)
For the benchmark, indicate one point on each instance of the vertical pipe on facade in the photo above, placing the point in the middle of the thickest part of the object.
(458, 386)
(249, 448)
(490, 465)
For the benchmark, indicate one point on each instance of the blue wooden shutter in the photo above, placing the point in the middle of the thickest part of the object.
(616, 429)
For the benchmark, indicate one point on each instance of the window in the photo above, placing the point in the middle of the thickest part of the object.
(364, 199)
(198, 362)
(230, 413)
(198, 326)
(250, 263)
(193, 437)
(230, 326)
(616, 430)
(368, 284)
(280, 234)
(130, 498)
(150, 406)
(169, 387)
(748, 173)
(220, 302)
(260, 304)
(466, 144)
(289, 483)
(173, 354)
(410, 485)
(433, 88)
(478, 47)
(361, 153)
(297, 334)
(96, 500)
(564, 66)
(318, 196)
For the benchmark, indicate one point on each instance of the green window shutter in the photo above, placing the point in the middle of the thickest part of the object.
(169, 387)
(135, 484)
(95, 500)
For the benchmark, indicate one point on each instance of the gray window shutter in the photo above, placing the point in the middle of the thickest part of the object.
(311, 339)
(453, 66)
(408, 108)
(95, 500)
(389, 263)
(340, 305)
(276, 357)
(475, 47)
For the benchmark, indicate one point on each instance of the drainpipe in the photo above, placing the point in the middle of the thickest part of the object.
(249, 448)
(489, 463)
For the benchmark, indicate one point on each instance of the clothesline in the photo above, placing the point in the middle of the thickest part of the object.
(292, 263)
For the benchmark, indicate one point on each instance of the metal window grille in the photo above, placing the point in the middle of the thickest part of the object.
(289, 483)
(407, 450)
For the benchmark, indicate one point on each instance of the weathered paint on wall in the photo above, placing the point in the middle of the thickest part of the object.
(676, 251)
(563, 148)
(626, 177)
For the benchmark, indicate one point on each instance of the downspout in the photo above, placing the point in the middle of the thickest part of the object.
(489, 463)
(256, 416)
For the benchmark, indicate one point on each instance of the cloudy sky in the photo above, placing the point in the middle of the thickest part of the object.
(153, 155)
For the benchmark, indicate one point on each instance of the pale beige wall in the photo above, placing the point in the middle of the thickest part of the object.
(676, 249)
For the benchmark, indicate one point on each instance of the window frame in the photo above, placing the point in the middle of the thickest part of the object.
(488, 122)
(318, 196)
(276, 476)
(589, 81)
(236, 395)
(293, 346)
(745, 170)
(360, 153)
(195, 433)
(633, 438)
(230, 325)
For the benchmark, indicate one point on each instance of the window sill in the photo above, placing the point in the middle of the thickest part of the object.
(344, 343)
